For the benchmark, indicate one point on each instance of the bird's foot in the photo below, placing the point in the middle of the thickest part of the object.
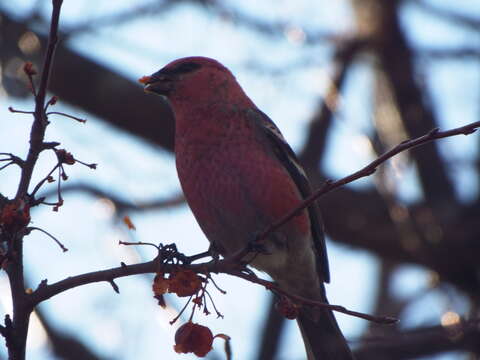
(257, 246)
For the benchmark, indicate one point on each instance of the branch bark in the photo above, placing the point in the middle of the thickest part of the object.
(370, 169)
(18, 328)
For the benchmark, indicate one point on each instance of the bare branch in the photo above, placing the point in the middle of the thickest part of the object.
(455, 17)
(304, 301)
(231, 265)
(420, 342)
(45, 291)
(322, 120)
(40, 121)
(12, 110)
(128, 15)
(272, 29)
(68, 116)
(64, 249)
(122, 205)
(450, 54)
(366, 171)
(21, 310)
(371, 168)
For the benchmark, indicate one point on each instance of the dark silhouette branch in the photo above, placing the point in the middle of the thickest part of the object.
(273, 327)
(311, 155)
(460, 54)
(370, 169)
(16, 343)
(226, 266)
(409, 344)
(122, 205)
(450, 15)
(119, 18)
(46, 291)
(265, 28)
(40, 119)
(231, 265)
(63, 345)
(99, 90)
(315, 144)
(395, 57)
(370, 229)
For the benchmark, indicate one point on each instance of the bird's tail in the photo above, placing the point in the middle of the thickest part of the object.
(322, 336)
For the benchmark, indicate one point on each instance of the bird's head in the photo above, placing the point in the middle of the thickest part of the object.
(190, 77)
(193, 80)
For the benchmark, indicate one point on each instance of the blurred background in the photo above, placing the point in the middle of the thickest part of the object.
(344, 80)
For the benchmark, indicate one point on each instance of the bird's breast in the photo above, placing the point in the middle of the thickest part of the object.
(236, 189)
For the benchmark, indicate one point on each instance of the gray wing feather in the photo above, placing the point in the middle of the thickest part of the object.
(287, 157)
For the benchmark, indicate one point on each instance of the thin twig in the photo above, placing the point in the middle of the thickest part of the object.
(371, 168)
(40, 122)
(46, 178)
(138, 243)
(174, 320)
(230, 265)
(6, 165)
(46, 291)
(215, 284)
(222, 266)
(11, 109)
(114, 286)
(64, 249)
(91, 166)
(330, 185)
(67, 115)
(301, 300)
(219, 314)
(21, 305)
(121, 204)
(13, 158)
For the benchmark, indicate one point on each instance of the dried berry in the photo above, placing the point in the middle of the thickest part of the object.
(184, 283)
(193, 338)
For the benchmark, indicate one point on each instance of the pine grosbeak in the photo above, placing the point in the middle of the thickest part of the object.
(239, 176)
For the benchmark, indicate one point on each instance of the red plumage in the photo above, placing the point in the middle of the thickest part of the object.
(239, 176)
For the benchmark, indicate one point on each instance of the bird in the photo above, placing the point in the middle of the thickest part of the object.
(239, 175)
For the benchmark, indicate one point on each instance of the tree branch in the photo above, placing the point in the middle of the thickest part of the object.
(370, 169)
(45, 291)
(232, 265)
(455, 17)
(121, 17)
(40, 122)
(64, 345)
(422, 342)
(121, 204)
(317, 134)
(460, 53)
(21, 307)
(226, 266)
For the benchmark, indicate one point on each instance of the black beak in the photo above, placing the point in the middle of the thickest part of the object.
(160, 84)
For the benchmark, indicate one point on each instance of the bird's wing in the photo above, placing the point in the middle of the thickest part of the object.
(289, 160)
